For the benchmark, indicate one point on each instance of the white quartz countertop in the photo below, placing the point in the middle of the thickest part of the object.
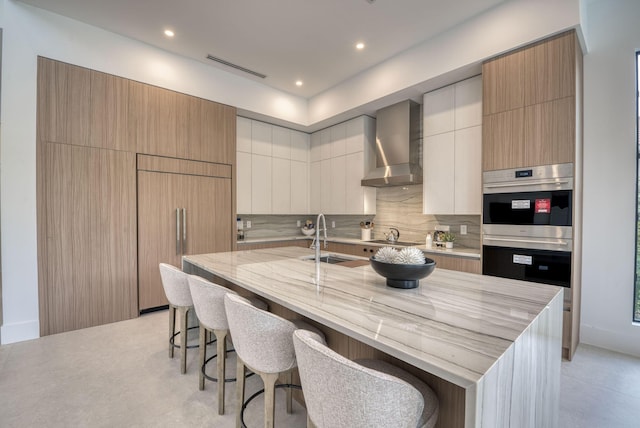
(472, 253)
(455, 325)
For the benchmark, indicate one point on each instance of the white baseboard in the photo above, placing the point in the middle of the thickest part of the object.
(18, 332)
(614, 341)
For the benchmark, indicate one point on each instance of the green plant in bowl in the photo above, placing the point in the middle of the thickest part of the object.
(448, 237)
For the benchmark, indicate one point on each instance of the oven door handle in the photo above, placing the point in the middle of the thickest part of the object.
(526, 183)
(526, 241)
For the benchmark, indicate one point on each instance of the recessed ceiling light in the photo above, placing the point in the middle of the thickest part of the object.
(360, 46)
(169, 33)
(298, 82)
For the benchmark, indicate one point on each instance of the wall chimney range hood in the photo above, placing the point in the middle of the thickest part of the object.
(398, 146)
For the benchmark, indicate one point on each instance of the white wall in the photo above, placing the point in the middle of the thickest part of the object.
(510, 25)
(610, 175)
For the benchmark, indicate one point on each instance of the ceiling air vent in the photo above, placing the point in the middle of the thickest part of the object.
(237, 67)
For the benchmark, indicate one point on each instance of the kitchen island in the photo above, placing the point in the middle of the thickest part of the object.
(489, 347)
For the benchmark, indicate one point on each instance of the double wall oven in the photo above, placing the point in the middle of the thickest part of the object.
(527, 224)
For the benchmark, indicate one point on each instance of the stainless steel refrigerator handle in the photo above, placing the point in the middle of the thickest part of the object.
(184, 230)
(526, 241)
(526, 183)
(177, 231)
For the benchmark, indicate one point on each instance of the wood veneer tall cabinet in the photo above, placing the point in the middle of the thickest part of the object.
(532, 115)
(86, 236)
(529, 105)
(184, 207)
(92, 128)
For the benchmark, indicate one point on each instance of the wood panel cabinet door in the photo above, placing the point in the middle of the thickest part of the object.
(109, 113)
(503, 83)
(178, 214)
(205, 130)
(550, 133)
(153, 119)
(63, 102)
(503, 140)
(86, 237)
(550, 69)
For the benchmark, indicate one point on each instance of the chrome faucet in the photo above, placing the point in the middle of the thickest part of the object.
(316, 243)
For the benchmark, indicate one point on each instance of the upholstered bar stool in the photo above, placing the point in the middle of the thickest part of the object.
(208, 301)
(176, 288)
(340, 393)
(264, 344)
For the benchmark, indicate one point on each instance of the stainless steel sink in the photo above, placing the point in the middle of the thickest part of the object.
(396, 243)
(331, 259)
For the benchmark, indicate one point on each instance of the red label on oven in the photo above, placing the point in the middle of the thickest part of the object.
(543, 206)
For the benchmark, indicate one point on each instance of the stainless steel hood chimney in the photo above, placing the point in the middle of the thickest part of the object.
(398, 146)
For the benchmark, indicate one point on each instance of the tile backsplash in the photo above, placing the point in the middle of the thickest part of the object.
(399, 207)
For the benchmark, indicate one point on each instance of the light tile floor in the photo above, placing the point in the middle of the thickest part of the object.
(120, 375)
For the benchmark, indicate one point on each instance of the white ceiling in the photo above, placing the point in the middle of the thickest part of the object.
(310, 40)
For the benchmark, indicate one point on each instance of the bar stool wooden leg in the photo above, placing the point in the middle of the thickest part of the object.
(172, 328)
(221, 347)
(240, 373)
(202, 345)
(183, 339)
(269, 380)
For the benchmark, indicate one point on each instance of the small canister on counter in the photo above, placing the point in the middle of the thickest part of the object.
(429, 241)
(365, 234)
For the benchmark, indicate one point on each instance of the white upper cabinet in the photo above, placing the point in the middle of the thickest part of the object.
(283, 171)
(438, 109)
(260, 184)
(468, 104)
(338, 135)
(281, 186)
(335, 181)
(468, 170)
(243, 135)
(439, 173)
(452, 149)
(325, 144)
(299, 187)
(300, 146)
(315, 187)
(260, 138)
(280, 142)
(272, 175)
(243, 182)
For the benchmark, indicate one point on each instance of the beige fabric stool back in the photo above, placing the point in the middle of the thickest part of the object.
(208, 302)
(340, 393)
(263, 343)
(176, 288)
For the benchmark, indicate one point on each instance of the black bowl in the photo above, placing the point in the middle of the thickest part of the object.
(403, 276)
